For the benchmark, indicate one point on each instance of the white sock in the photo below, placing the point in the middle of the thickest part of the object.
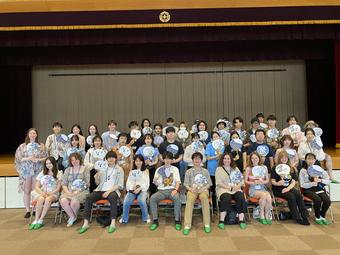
(35, 222)
(40, 221)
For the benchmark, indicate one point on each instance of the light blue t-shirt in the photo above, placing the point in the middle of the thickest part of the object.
(212, 163)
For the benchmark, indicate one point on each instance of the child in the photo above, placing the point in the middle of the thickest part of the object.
(137, 186)
(197, 182)
(168, 182)
(313, 186)
(46, 191)
(111, 182)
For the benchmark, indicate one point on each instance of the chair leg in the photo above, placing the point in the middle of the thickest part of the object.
(31, 216)
(332, 216)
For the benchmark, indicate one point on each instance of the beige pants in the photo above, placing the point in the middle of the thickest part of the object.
(191, 199)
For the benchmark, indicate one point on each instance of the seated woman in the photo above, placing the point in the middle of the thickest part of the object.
(46, 191)
(111, 182)
(283, 186)
(168, 182)
(310, 146)
(257, 178)
(137, 186)
(313, 186)
(75, 187)
(197, 182)
(229, 183)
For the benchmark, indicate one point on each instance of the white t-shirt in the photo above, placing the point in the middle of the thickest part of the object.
(167, 177)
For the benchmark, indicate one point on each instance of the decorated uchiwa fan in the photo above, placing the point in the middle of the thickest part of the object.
(125, 151)
(293, 129)
(242, 134)
(273, 133)
(78, 185)
(147, 130)
(157, 140)
(224, 134)
(196, 146)
(236, 177)
(148, 152)
(236, 144)
(172, 148)
(199, 181)
(99, 153)
(89, 140)
(291, 153)
(282, 169)
(203, 135)
(62, 138)
(101, 165)
(317, 143)
(262, 150)
(183, 134)
(252, 138)
(315, 171)
(218, 145)
(259, 171)
(48, 183)
(113, 136)
(318, 131)
(136, 134)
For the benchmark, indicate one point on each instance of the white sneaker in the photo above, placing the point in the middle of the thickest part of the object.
(70, 222)
(148, 221)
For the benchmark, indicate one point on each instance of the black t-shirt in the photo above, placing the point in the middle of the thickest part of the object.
(288, 180)
(175, 148)
(138, 143)
(253, 147)
(239, 162)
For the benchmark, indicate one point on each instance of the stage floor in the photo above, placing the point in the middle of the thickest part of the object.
(7, 163)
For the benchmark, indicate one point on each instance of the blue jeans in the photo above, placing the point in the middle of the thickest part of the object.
(128, 201)
(182, 169)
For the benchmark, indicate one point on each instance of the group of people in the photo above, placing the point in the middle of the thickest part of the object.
(153, 163)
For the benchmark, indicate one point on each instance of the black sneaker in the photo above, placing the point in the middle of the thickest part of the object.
(27, 215)
(304, 222)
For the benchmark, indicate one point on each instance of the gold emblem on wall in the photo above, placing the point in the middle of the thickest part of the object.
(164, 16)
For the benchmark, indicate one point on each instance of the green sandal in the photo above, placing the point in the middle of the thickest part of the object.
(31, 226)
(243, 225)
(269, 222)
(38, 226)
(178, 227)
(111, 229)
(82, 230)
(263, 221)
(319, 221)
(153, 226)
(325, 222)
(221, 225)
(186, 231)
(207, 230)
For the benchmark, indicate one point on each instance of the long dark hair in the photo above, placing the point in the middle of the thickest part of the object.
(78, 126)
(88, 129)
(54, 169)
(140, 157)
